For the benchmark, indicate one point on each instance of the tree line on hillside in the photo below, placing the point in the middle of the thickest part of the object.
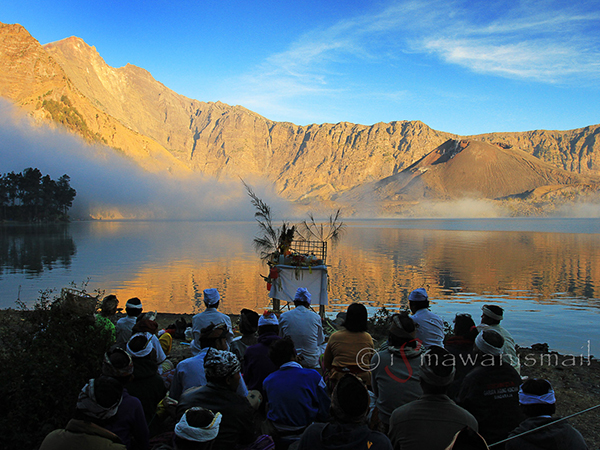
(28, 196)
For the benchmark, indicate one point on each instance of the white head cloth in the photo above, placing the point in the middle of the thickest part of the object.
(486, 347)
(268, 318)
(133, 305)
(491, 314)
(144, 351)
(211, 296)
(204, 434)
(532, 399)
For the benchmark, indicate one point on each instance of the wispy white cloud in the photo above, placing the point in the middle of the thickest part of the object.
(544, 42)
(548, 42)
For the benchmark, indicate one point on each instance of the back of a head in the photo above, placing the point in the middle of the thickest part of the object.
(220, 364)
(490, 342)
(248, 321)
(109, 305)
(493, 314)
(133, 307)
(437, 370)
(402, 330)
(536, 397)
(302, 297)
(107, 391)
(117, 364)
(99, 400)
(356, 318)
(268, 323)
(464, 326)
(418, 299)
(212, 333)
(197, 429)
(282, 351)
(350, 400)
(138, 343)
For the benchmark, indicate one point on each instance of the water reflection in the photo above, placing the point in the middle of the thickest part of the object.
(538, 276)
(32, 249)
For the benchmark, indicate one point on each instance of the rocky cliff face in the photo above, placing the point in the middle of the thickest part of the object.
(314, 161)
(128, 109)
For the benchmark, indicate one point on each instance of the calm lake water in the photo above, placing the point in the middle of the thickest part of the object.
(544, 272)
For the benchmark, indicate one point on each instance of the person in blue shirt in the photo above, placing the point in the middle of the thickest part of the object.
(296, 396)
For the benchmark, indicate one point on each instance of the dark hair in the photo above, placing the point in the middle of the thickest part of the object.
(408, 325)
(210, 334)
(496, 310)
(107, 391)
(464, 326)
(198, 418)
(263, 329)
(441, 363)
(350, 399)
(537, 386)
(356, 318)
(282, 351)
(109, 305)
(248, 321)
(138, 342)
(493, 338)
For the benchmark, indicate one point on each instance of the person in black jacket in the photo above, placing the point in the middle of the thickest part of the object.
(539, 404)
(491, 390)
(347, 429)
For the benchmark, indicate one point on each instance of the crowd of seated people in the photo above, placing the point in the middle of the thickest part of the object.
(271, 388)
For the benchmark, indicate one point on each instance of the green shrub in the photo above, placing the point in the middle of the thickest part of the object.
(47, 354)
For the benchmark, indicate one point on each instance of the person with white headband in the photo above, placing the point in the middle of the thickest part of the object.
(125, 325)
(197, 429)
(98, 403)
(491, 317)
(490, 391)
(538, 402)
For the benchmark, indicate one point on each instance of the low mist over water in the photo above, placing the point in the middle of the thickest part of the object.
(544, 272)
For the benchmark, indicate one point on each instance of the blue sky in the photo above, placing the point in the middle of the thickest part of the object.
(465, 67)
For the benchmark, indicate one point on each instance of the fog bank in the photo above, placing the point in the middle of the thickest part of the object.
(110, 186)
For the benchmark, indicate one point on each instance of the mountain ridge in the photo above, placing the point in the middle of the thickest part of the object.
(128, 109)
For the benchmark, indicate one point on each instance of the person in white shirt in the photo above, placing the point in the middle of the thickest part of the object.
(208, 316)
(429, 326)
(125, 325)
(304, 327)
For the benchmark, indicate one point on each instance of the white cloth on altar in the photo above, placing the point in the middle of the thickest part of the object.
(292, 277)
